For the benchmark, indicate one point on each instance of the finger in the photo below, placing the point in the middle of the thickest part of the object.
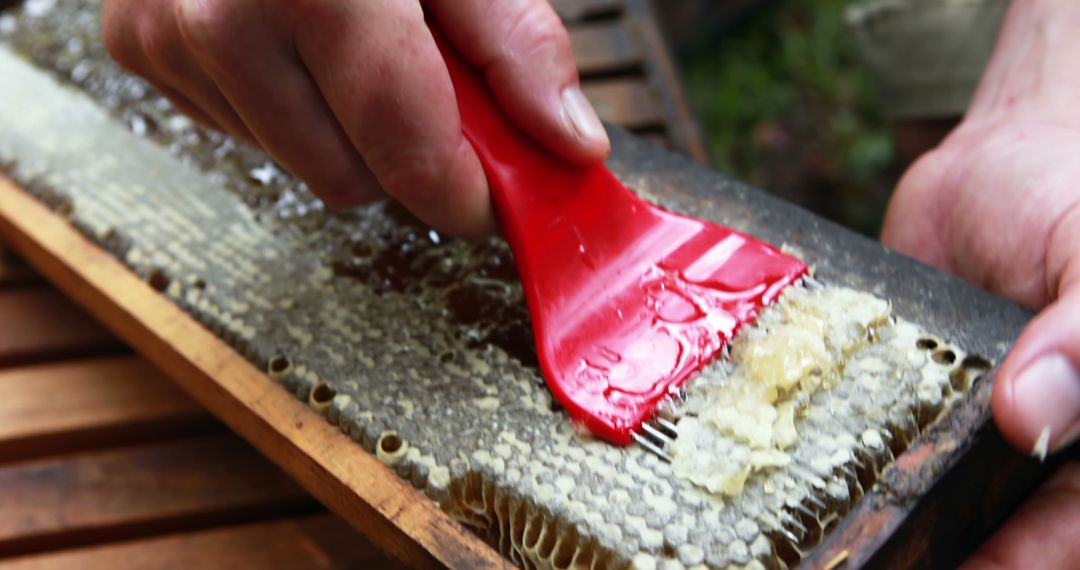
(1036, 397)
(145, 37)
(251, 60)
(380, 71)
(1043, 533)
(525, 53)
(189, 108)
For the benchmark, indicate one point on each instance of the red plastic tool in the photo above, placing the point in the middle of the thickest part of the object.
(627, 300)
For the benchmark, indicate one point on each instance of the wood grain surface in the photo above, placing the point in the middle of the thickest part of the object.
(40, 324)
(105, 463)
(314, 542)
(140, 491)
(76, 405)
(604, 48)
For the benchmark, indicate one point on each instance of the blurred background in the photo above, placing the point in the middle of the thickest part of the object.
(784, 104)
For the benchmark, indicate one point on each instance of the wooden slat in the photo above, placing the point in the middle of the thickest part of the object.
(575, 10)
(76, 405)
(363, 491)
(603, 47)
(625, 102)
(41, 324)
(15, 273)
(139, 491)
(317, 542)
(17, 276)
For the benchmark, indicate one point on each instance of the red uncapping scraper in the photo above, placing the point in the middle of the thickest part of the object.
(627, 300)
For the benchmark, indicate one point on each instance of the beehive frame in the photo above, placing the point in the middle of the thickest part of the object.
(396, 516)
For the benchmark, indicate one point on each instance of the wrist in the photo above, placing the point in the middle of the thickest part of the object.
(1035, 67)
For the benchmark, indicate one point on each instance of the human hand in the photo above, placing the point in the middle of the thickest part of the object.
(1042, 533)
(998, 203)
(354, 98)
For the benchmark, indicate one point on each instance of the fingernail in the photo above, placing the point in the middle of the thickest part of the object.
(1042, 444)
(582, 116)
(1047, 399)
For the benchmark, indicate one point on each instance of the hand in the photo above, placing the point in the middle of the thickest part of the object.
(353, 97)
(998, 203)
(1042, 533)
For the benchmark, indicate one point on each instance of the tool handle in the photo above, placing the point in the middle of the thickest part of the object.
(513, 161)
(530, 186)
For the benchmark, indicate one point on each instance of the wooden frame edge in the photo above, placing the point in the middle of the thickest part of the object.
(374, 500)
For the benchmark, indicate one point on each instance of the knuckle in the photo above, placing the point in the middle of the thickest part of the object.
(411, 179)
(537, 32)
(206, 25)
(417, 176)
(159, 49)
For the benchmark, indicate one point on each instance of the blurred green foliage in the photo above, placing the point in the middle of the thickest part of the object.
(785, 106)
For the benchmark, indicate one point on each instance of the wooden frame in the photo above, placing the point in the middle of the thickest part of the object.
(337, 471)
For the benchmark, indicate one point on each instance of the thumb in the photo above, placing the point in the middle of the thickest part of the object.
(1036, 397)
(527, 60)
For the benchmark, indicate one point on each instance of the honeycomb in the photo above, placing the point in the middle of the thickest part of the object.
(418, 346)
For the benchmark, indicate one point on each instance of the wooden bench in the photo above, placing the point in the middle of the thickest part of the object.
(104, 463)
